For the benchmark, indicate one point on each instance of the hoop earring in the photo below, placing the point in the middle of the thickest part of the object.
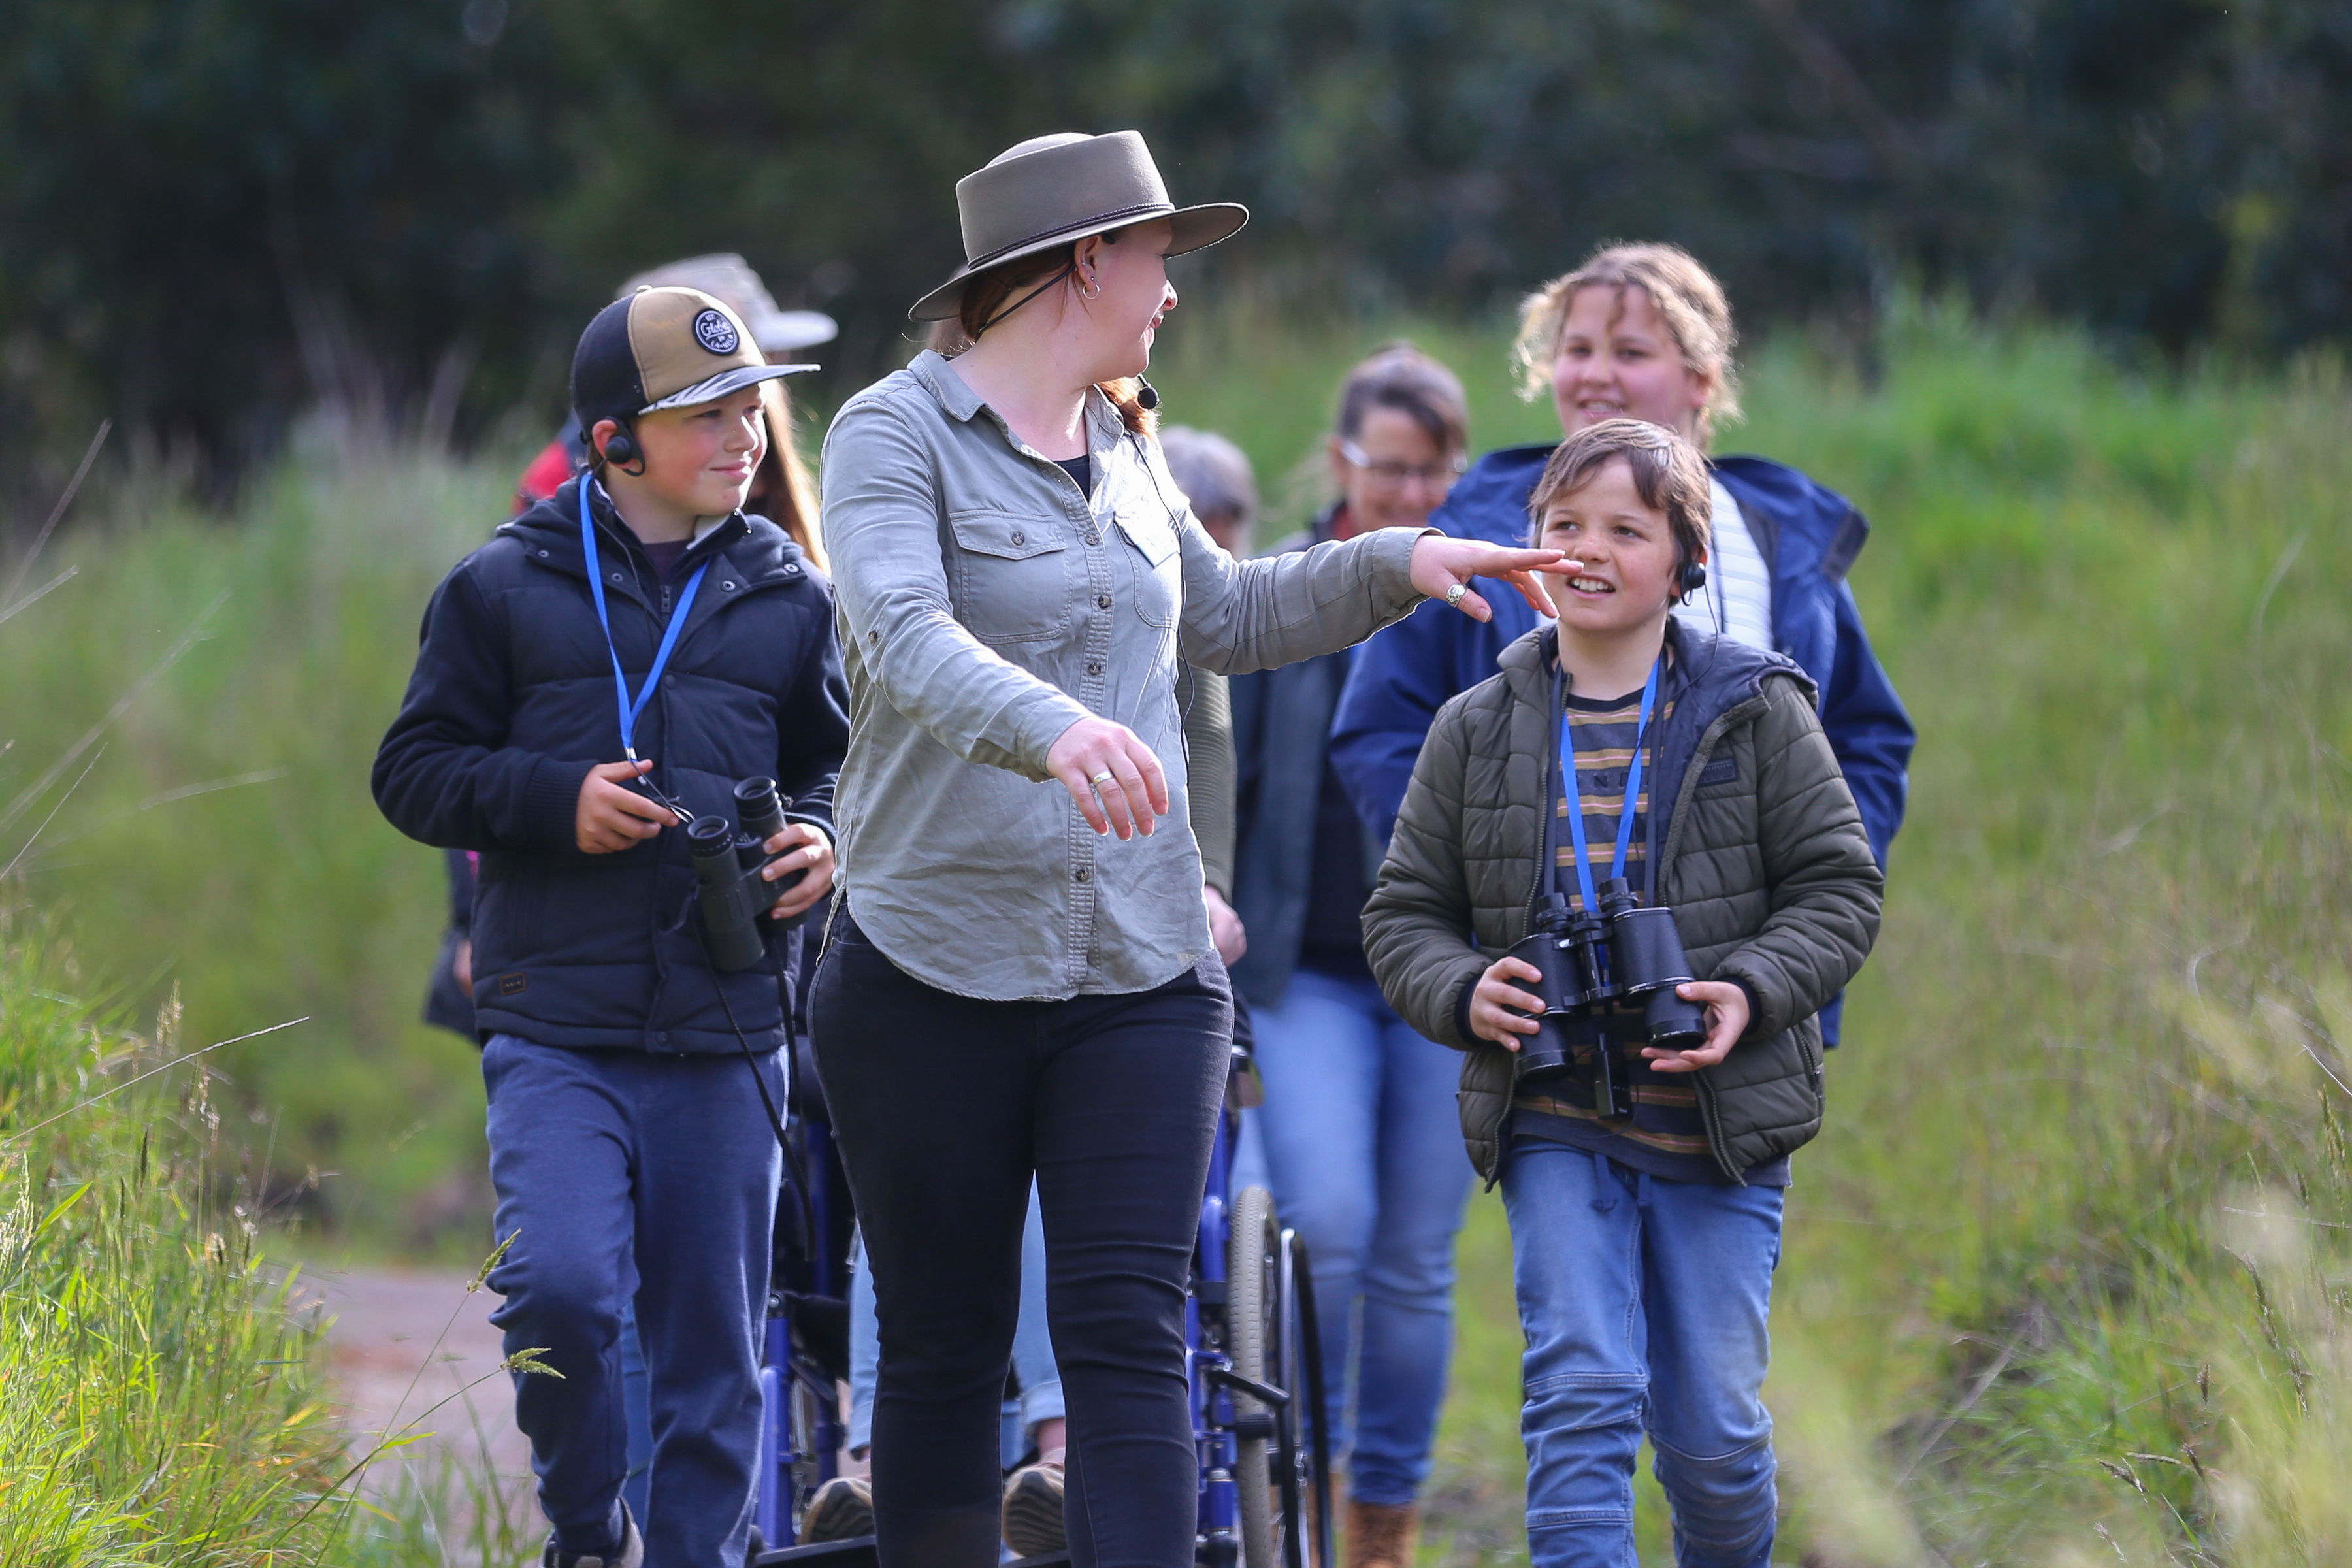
(1089, 290)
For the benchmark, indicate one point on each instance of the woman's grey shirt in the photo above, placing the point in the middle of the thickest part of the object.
(985, 607)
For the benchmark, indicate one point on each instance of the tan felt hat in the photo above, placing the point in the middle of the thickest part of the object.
(663, 348)
(1051, 190)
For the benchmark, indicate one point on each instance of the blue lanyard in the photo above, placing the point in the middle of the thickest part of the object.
(629, 711)
(1632, 792)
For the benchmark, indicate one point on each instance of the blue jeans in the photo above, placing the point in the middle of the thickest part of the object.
(1645, 1303)
(1364, 1152)
(620, 1174)
(1032, 1348)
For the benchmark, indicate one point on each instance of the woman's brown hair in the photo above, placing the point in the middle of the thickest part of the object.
(986, 300)
(791, 498)
(1685, 294)
(1400, 376)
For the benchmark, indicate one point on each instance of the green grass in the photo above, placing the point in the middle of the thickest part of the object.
(2065, 1278)
(157, 1403)
(225, 842)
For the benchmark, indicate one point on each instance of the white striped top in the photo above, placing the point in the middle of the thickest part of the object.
(1737, 602)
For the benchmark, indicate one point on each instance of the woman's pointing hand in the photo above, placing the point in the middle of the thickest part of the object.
(1441, 565)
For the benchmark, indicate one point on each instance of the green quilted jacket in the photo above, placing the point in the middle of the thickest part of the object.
(1757, 847)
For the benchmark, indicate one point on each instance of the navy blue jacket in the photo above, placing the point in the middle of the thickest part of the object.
(512, 703)
(1809, 535)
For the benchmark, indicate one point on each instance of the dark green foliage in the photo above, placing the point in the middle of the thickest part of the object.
(218, 210)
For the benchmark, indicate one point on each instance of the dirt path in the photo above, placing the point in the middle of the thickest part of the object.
(381, 1356)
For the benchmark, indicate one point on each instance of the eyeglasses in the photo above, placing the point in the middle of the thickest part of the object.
(1395, 476)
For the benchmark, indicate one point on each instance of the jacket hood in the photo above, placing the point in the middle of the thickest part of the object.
(1786, 512)
(1731, 671)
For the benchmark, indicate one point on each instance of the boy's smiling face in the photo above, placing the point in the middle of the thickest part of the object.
(700, 461)
(1627, 548)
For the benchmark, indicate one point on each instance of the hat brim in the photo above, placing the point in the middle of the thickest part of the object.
(788, 329)
(724, 383)
(1196, 229)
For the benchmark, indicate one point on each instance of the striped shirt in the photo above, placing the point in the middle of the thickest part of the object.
(1737, 602)
(1666, 1136)
(1603, 731)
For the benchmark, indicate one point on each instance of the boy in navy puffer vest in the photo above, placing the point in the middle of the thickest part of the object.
(615, 660)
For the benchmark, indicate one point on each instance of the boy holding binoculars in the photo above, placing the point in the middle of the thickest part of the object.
(613, 663)
(1643, 1147)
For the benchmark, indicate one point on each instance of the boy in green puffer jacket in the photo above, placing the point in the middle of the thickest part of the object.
(1622, 742)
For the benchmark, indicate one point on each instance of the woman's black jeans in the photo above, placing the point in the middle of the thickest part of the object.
(944, 1107)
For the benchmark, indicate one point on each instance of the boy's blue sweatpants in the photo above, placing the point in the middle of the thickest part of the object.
(620, 1171)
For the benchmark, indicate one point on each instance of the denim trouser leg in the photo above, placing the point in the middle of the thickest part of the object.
(1032, 1342)
(1033, 1345)
(865, 1349)
(1364, 1147)
(621, 1174)
(1645, 1304)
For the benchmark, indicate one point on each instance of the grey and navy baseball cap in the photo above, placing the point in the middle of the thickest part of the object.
(663, 348)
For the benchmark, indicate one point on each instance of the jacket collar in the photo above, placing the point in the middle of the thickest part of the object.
(1701, 660)
(550, 532)
(1787, 512)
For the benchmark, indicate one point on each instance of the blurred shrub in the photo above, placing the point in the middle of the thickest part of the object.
(219, 211)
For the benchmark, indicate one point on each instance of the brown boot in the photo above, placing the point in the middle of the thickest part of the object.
(1379, 1536)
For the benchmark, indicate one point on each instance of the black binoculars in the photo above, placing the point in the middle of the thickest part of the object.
(727, 859)
(1597, 969)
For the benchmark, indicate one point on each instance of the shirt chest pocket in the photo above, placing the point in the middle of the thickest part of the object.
(1010, 575)
(1152, 559)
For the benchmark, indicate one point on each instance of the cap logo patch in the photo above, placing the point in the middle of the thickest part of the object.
(714, 331)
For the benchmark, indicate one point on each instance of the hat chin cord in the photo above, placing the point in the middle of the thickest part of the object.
(1066, 270)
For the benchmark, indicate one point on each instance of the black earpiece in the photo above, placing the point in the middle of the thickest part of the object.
(1146, 395)
(1692, 577)
(621, 447)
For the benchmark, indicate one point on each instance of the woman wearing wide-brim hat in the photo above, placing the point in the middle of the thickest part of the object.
(1020, 978)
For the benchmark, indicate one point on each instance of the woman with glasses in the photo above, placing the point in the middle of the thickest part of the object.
(1358, 1129)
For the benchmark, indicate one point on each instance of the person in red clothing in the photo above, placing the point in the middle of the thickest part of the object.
(781, 491)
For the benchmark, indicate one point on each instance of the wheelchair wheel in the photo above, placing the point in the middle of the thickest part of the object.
(1304, 1457)
(1252, 1265)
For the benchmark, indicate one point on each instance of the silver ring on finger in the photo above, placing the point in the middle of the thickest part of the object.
(1455, 595)
(1104, 777)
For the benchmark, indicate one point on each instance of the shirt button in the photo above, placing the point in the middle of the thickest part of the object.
(1019, 538)
(616, 576)
(1086, 875)
(729, 586)
(1094, 538)
(1102, 600)
(1094, 666)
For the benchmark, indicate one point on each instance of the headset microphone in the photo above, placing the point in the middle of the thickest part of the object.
(1147, 397)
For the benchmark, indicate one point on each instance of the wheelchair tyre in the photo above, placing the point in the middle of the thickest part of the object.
(1253, 1259)
(1303, 1462)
